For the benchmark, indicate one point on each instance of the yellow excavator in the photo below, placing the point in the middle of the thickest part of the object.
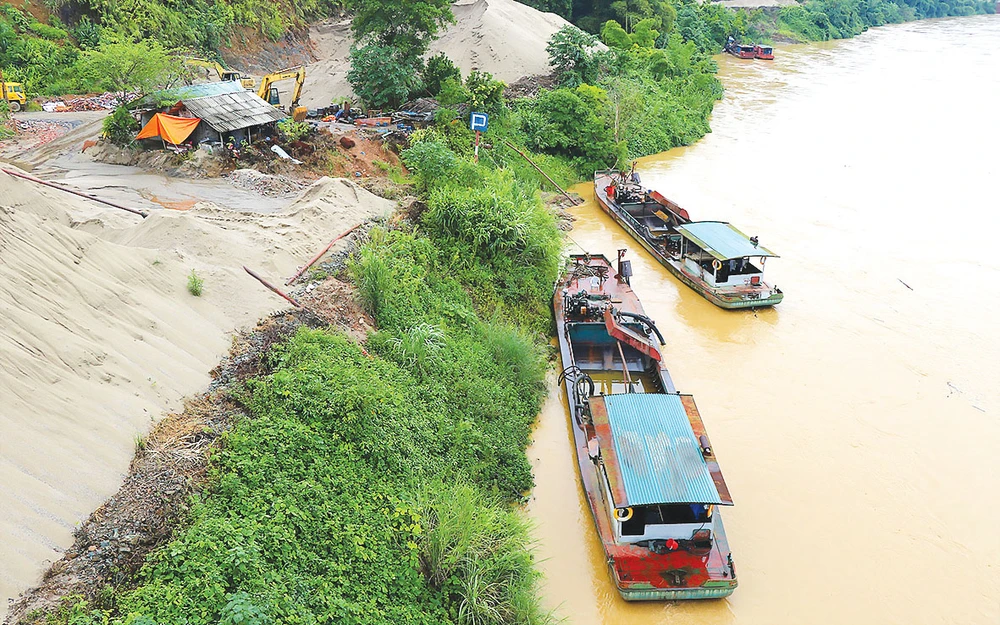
(224, 74)
(269, 93)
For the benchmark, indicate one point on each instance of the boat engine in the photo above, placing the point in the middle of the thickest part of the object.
(585, 305)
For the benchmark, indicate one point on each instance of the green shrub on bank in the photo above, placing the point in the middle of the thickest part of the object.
(491, 230)
(120, 127)
(576, 124)
(329, 500)
(377, 486)
(819, 20)
(5, 131)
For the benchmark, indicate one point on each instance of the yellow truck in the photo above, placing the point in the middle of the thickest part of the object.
(13, 93)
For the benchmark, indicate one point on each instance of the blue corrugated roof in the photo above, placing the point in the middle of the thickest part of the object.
(658, 455)
(722, 240)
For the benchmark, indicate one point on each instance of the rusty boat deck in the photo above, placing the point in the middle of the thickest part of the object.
(651, 479)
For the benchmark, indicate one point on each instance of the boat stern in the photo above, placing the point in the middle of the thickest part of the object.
(641, 574)
(760, 297)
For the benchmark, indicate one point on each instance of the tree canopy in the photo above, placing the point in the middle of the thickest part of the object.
(409, 26)
(382, 75)
(126, 68)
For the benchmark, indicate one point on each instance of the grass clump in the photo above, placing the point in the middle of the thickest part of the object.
(194, 284)
(476, 550)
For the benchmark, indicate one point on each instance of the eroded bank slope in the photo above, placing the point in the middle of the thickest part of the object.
(99, 336)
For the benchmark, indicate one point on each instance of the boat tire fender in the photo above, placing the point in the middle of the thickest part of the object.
(623, 514)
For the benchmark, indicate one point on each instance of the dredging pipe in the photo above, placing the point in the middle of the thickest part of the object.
(59, 187)
(539, 169)
(646, 321)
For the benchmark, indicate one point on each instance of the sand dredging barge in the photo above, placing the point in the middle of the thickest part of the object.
(712, 257)
(648, 469)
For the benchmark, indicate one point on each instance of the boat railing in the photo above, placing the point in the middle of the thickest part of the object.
(640, 227)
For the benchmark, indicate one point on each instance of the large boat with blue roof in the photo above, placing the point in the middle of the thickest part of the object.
(712, 257)
(648, 468)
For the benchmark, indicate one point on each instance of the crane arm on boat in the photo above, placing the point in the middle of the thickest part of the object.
(647, 321)
(629, 337)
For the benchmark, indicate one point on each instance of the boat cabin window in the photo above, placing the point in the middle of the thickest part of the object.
(739, 266)
(671, 514)
(733, 267)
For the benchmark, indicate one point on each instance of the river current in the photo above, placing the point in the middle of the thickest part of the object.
(858, 423)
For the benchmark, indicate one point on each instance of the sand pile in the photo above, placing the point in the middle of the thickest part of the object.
(502, 37)
(98, 337)
(265, 184)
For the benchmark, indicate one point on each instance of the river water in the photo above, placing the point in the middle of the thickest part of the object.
(858, 423)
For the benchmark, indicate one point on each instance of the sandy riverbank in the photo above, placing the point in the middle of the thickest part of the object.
(100, 336)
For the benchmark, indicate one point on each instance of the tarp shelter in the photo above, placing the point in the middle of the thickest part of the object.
(170, 128)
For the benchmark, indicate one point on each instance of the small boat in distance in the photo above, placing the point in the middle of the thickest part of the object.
(648, 470)
(712, 257)
(763, 52)
(739, 50)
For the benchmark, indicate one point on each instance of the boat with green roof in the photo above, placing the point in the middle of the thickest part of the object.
(712, 257)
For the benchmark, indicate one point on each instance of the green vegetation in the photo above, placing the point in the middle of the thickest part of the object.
(129, 69)
(391, 37)
(382, 76)
(292, 130)
(818, 20)
(194, 284)
(120, 127)
(646, 93)
(813, 20)
(438, 69)
(380, 485)
(5, 131)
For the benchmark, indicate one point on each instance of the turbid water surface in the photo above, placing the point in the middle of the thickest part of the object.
(858, 423)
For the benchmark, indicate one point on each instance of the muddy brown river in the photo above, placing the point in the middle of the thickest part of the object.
(858, 423)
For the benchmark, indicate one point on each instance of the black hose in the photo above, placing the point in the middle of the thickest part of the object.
(584, 379)
(646, 320)
(569, 374)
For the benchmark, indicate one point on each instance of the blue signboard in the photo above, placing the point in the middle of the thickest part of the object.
(479, 122)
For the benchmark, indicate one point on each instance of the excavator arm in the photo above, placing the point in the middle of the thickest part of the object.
(207, 64)
(267, 82)
(224, 74)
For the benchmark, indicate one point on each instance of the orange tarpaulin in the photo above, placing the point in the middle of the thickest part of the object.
(170, 128)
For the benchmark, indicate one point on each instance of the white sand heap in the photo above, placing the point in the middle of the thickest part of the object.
(99, 337)
(502, 37)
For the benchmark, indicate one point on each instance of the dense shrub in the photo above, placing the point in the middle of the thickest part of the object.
(120, 127)
(576, 124)
(438, 69)
(371, 488)
(382, 76)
